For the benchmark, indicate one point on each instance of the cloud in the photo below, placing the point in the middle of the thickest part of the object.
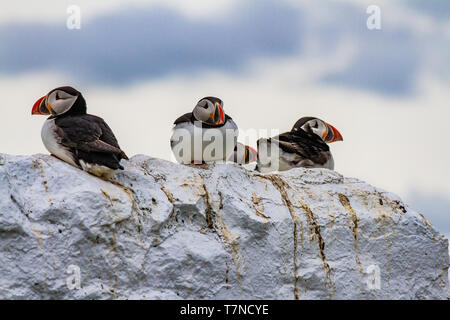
(135, 44)
(55, 11)
(126, 46)
(435, 208)
(386, 62)
(129, 45)
(389, 61)
(435, 8)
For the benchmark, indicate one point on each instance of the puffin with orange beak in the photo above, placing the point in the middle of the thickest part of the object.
(80, 139)
(205, 135)
(243, 154)
(306, 145)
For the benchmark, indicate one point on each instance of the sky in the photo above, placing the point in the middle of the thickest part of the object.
(141, 64)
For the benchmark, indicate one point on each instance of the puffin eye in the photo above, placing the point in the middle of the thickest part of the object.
(57, 96)
(316, 125)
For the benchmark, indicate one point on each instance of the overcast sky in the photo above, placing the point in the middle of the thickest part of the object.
(140, 64)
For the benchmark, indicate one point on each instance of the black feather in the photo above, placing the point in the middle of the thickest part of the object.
(90, 139)
(307, 145)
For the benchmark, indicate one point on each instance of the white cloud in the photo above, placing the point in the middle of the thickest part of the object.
(50, 11)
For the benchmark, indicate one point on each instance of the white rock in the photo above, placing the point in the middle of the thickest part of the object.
(167, 231)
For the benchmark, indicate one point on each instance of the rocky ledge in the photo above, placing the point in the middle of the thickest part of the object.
(160, 230)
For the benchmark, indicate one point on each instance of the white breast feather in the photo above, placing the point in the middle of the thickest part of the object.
(51, 142)
(226, 148)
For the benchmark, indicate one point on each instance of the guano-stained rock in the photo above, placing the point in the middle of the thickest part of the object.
(166, 231)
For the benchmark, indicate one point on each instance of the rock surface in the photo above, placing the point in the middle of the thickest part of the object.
(166, 231)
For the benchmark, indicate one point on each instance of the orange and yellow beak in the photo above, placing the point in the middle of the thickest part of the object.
(40, 107)
(218, 115)
(332, 134)
(251, 155)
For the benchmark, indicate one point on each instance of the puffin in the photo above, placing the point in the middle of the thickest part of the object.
(205, 135)
(243, 154)
(306, 145)
(70, 134)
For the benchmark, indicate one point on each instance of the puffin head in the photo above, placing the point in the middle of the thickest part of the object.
(324, 130)
(243, 154)
(210, 110)
(60, 101)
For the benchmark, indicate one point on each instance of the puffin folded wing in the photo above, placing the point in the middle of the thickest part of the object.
(91, 141)
(108, 137)
(187, 117)
(312, 151)
(100, 153)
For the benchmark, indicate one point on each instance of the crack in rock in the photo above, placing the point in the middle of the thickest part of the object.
(354, 219)
(258, 205)
(280, 185)
(37, 164)
(315, 228)
(216, 222)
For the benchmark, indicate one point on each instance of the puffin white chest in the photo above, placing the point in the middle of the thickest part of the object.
(52, 143)
(210, 145)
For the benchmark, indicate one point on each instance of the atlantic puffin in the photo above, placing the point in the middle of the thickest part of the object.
(304, 146)
(80, 139)
(243, 154)
(205, 135)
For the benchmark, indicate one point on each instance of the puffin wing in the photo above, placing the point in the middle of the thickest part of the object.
(187, 117)
(307, 145)
(107, 138)
(91, 140)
